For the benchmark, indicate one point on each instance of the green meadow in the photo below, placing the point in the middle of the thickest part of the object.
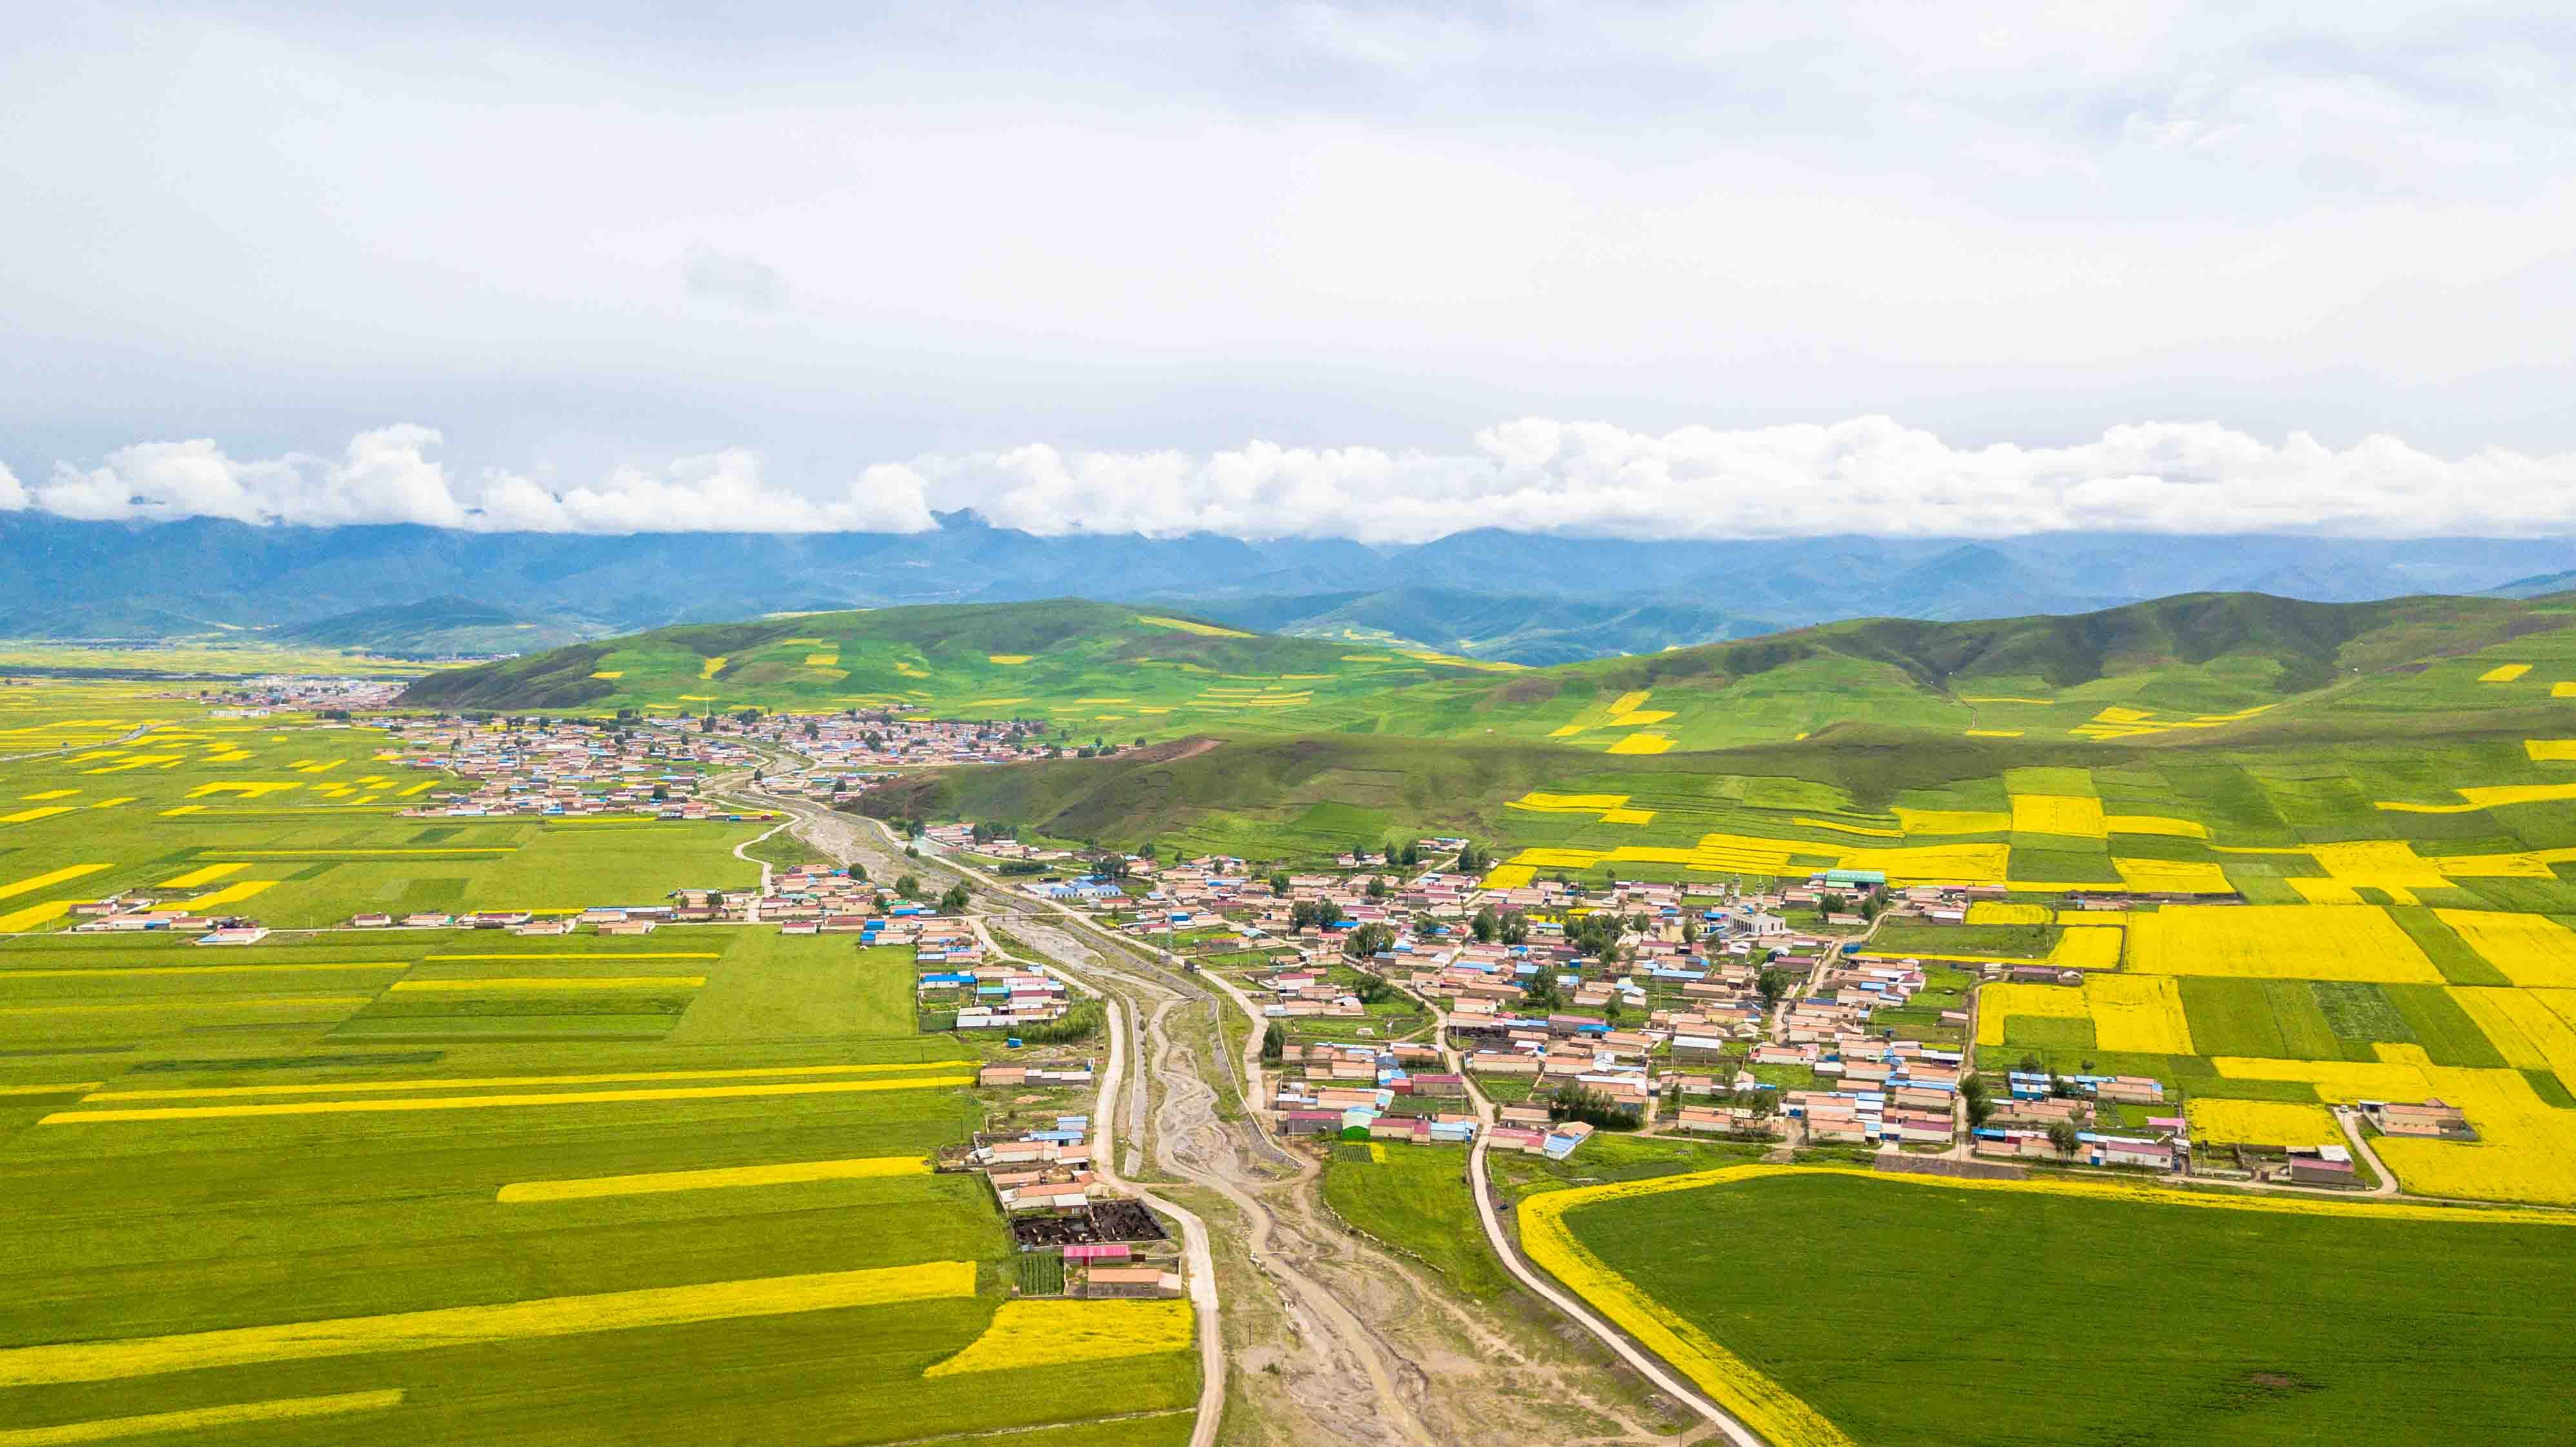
(1934, 1317)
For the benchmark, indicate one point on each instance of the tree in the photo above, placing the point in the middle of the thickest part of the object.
(954, 901)
(1772, 986)
(907, 886)
(1279, 883)
(1367, 940)
(2063, 1135)
(1377, 886)
(2030, 1063)
(1274, 1043)
(1611, 1009)
(1979, 1099)
(1485, 925)
(1690, 929)
(1516, 928)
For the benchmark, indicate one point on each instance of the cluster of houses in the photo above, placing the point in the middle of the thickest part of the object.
(269, 694)
(560, 768)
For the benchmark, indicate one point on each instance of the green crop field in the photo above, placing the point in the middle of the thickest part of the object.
(310, 815)
(1417, 1199)
(1937, 1317)
(517, 1212)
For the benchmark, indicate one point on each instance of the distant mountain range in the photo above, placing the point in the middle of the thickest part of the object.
(1526, 598)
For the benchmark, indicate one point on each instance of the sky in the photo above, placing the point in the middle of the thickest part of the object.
(1299, 270)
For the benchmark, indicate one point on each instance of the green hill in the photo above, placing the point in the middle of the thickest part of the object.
(1142, 670)
(2152, 672)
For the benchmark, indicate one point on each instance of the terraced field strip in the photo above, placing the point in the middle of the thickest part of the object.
(197, 1419)
(553, 983)
(120, 972)
(454, 1326)
(64, 875)
(1035, 1334)
(508, 1082)
(493, 1102)
(590, 955)
(193, 1002)
(593, 1188)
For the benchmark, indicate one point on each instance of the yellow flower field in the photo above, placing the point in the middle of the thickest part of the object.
(1046, 1333)
(2550, 751)
(1998, 1003)
(2140, 1013)
(2528, 1027)
(654, 1183)
(2156, 824)
(1952, 821)
(2074, 815)
(1996, 911)
(1642, 744)
(2526, 1148)
(1508, 876)
(2298, 942)
(197, 1419)
(2531, 949)
(2280, 1123)
(2172, 876)
(2087, 947)
(2504, 673)
(472, 1325)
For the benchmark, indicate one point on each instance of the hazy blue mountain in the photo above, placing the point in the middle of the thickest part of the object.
(1527, 597)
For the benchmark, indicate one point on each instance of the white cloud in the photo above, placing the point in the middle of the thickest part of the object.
(740, 281)
(13, 496)
(1865, 475)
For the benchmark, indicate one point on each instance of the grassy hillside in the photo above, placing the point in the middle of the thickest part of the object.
(1128, 670)
(2152, 672)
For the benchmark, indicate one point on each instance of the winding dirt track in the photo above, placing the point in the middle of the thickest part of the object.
(1334, 1339)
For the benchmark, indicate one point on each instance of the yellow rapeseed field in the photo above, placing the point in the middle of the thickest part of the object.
(2156, 824)
(202, 876)
(2088, 947)
(551, 983)
(1996, 911)
(2172, 876)
(453, 1326)
(2261, 1122)
(1642, 744)
(2531, 949)
(2325, 891)
(1546, 803)
(1997, 1004)
(34, 882)
(1008, 660)
(504, 1082)
(2504, 673)
(1030, 1335)
(197, 1419)
(1952, 821)
(233, 893)
(20, 921)
(656, 1183)
(2074, 815)
(2526, 1148)
(1509, 876)
(2299, 942)
(2140, 1013)
(2550, 751)
(491, 1102)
